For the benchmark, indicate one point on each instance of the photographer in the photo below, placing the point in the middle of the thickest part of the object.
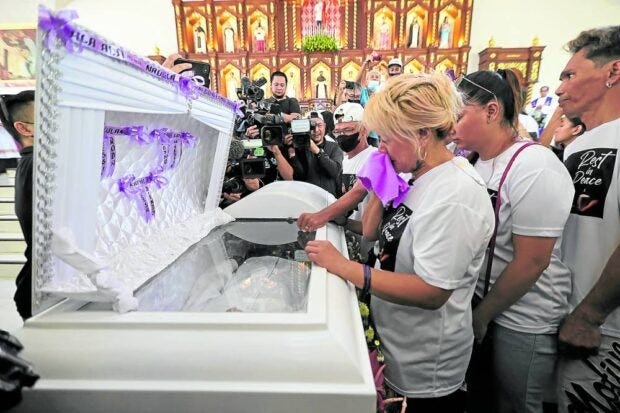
(351, 137)
(288, 106)
(311, 158)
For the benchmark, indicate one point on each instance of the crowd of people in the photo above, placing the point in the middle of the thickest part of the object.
(509, 299)
(493, 279)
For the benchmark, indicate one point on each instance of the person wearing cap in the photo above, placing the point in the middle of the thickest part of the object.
(351, 137)
(395, 67)
(319, 163)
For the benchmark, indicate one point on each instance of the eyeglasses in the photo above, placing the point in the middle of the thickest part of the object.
(347, 131)
(460, 80)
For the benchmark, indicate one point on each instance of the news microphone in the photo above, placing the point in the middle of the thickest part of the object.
(236, 150)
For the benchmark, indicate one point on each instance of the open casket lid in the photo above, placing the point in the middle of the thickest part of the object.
(111, 212)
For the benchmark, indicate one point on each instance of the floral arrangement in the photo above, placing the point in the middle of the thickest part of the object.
(319, 43)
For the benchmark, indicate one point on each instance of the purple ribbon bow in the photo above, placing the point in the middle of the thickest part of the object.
(57, 26)
(138, 190)
(187, 139)
(161, 135)
(188, 87)
(137, 133)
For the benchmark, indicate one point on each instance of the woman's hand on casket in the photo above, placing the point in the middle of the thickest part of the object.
(309, 222)
(324, 254)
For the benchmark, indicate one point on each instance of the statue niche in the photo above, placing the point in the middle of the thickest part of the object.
(383, 31)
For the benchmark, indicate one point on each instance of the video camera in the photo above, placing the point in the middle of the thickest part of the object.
(251, 91)
(240, 167)
(301, 130)
(264, 113)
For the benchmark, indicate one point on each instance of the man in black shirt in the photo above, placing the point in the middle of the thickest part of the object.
(289, 108)
(18, 118)
(320, 163)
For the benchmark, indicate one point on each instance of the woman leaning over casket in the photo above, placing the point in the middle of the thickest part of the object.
(422, 308)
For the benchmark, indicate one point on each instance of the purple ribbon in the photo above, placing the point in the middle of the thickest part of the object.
(188, 87)
(161, 135)
(188, 139)
(138, 190)
(171, 146)
(138, 134)
(67, 33)
(462, 152)
(108, 156)
(57, 27)
(135, 133)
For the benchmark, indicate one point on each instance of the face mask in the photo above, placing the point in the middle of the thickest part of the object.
(348, 142)
(373, 85)
(354, 100)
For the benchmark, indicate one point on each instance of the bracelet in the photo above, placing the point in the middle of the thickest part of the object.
(367, 280)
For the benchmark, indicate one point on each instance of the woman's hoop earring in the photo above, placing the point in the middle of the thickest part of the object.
(609, 85)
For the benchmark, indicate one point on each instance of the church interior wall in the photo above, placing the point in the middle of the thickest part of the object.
(146, 24)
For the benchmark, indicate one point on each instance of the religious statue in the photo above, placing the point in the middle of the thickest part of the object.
(445, 34)
(229, 38)
(259, 37)
(290, 85)
(318, 13)
(231, 86)
(414, 34)
(385, 31)
(200, 41)
(321, 86)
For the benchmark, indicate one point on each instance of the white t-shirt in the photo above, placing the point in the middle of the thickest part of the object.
(444, 241)
(350, 167)
(536, 199)
(593, 229)
(529, 124)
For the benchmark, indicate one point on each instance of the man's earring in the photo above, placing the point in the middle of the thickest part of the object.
(609, 85)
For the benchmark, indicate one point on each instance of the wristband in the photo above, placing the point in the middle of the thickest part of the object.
(367, 280)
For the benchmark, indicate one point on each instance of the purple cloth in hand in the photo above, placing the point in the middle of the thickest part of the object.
(378, 175)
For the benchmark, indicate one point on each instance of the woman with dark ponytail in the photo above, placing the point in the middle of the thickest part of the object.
(522, 291)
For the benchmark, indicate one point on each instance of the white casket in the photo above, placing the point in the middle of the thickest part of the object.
(147, 298)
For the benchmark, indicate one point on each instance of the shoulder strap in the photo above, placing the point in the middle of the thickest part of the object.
(498, 204)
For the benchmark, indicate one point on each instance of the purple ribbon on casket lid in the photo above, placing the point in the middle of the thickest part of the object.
(138, 190)
(57, 26)
(136, 133)
(171, 147)
(108, 156)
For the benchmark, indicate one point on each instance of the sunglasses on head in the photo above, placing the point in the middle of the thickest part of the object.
(463, 78)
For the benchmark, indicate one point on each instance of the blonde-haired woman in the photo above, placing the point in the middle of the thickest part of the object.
(421, 308)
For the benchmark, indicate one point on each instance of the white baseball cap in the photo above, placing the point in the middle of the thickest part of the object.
(313, 114)
(395, 61)
(349, 112)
